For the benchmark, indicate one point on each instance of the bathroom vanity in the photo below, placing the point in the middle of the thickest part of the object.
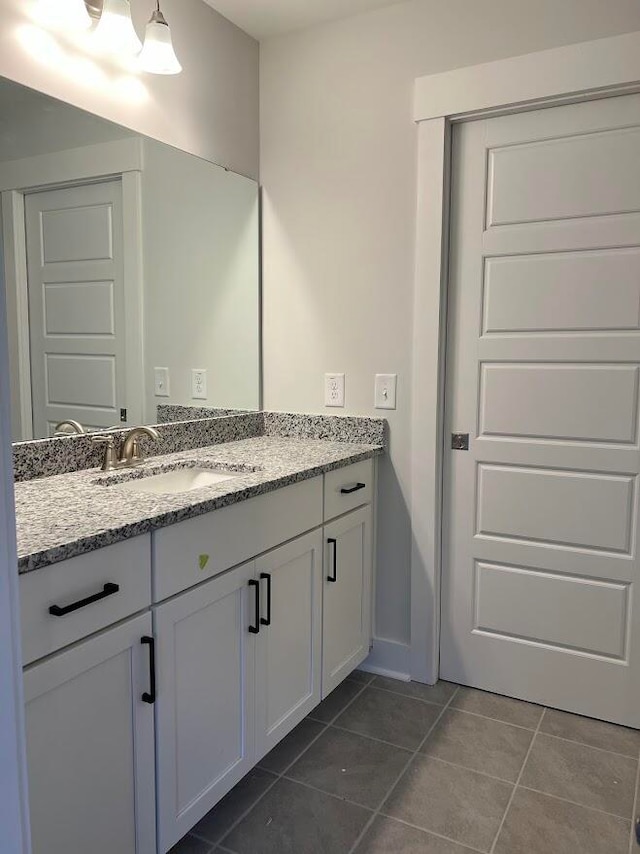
(185, 634)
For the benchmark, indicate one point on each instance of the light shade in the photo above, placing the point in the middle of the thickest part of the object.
(65, 14)
(115, 32)
(158, 55)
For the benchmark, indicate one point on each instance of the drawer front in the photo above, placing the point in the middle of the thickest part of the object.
(66, 586)
(347, 488)
(196, 549)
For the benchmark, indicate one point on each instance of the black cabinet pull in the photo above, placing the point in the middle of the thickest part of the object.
(256, 628)
(266, 621)
(351, 489)
(334, 577)
(108, 590)
(150, 696)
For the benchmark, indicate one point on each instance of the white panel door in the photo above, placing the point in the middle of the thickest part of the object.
(76, 305)
(90, 746)
(205, 709)
(348, 570)
(289, 646)
(540, 539)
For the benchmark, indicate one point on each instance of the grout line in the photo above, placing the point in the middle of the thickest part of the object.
(467, 768)
(333, 795)
(373, 738)
(405, 696)
(632, 834)
(402, 773)
(574, 803)
(498, 720)
(406, 823)
(344, 708)
(515, 788)
(590, 746)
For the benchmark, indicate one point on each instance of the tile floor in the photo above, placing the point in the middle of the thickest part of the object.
(384, 766)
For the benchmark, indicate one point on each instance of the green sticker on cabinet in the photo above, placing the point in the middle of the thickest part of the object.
(203, 560)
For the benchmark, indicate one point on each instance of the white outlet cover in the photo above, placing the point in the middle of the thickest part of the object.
(334, 390)
(199, 384)
(386, 391)
(161, 382)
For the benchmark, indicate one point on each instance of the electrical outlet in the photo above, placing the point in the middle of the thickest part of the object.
(161, 382)
(199, 384)
(385, 391)
(334, 389)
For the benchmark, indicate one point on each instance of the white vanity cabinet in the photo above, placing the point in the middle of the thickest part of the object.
(346, 619)
(90, 745)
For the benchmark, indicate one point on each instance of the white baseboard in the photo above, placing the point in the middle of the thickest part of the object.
(388, 658)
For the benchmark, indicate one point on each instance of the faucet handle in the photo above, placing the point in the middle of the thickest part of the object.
(110, 460)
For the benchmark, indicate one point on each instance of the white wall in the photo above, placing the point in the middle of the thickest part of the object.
(201, 279)
(211, 109)
(338, 165)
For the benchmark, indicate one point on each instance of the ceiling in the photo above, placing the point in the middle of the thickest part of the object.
(264, 18)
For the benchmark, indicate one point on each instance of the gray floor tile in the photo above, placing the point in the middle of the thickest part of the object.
(590, 777)
(439, 694)
(618, 739)
(292, 746)
(386, 835)
(390, 717)
(351, 766)
(361, 676)
(500, 708)
(293, 819)
(190, 845)
(480, 744)
(336, 701)
(537, 824)
(460, 804)
(242, 797)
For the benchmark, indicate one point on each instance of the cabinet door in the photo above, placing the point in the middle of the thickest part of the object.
(288, 648)
(347, 596)
(90, 746)
(205, 708)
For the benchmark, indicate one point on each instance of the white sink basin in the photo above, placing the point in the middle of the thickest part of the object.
(179, 480)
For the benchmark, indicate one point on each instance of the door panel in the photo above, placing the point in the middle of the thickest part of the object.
(289, 653)
(90, 742)
(540, 538)
(76, 305)
(205, 708)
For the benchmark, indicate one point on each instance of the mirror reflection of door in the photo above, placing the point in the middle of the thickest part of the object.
(74, 247)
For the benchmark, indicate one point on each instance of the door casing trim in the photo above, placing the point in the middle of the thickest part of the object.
(578, 72)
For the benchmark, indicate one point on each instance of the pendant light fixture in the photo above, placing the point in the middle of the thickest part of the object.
(115, 32)
(158, 55)
(68, 15)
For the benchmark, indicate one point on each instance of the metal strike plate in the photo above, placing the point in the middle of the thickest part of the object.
(460, 441)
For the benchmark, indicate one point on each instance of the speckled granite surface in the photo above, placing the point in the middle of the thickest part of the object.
(167, 412)
(49, 457)
(71, 514)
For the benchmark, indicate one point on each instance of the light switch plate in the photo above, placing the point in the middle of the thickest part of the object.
(334, 389)
(161, 382)
(199, 384)
(386, 391)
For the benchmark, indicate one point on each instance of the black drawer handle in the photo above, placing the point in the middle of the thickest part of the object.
(150, 696)
(256, 628)
(266, 621)
(333, 578)
(351, 489)
(108, 590)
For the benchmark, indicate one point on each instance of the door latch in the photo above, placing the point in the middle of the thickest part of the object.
(460, 441)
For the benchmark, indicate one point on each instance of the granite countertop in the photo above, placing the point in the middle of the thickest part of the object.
(70, 514)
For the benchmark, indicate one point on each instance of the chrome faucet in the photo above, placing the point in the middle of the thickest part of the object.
(130, 454)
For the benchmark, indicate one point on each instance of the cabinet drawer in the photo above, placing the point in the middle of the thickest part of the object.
(125, 565)
(192, 551)
(348, 488)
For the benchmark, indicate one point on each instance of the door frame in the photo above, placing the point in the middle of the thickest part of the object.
(578, 72)
(120, 160)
